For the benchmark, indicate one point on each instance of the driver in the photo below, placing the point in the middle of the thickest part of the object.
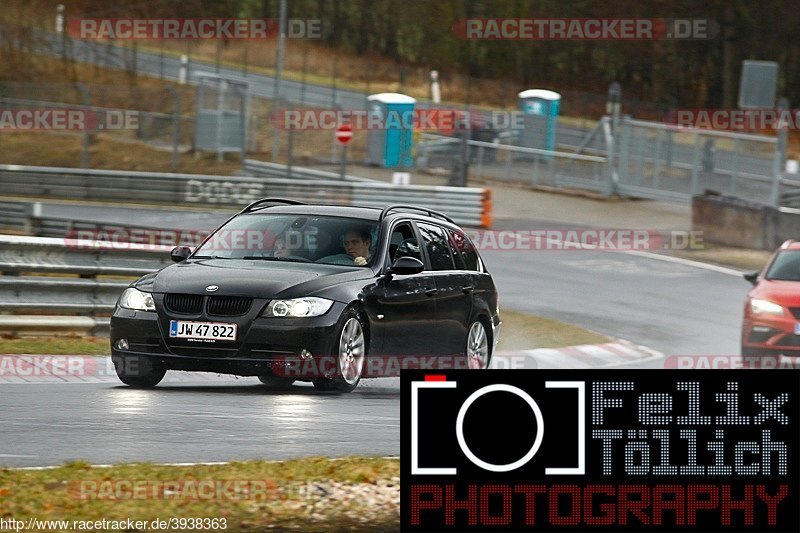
(357, 245)
(356, 242)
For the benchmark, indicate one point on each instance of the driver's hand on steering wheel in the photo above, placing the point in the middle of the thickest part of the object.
(360, 261)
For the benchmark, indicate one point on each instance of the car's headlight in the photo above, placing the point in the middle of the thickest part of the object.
(298, 307)
(765, 307)
(137, 300)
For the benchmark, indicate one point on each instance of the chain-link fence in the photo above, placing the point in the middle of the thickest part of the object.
(609, 155)
(659, 160)
(90, 113)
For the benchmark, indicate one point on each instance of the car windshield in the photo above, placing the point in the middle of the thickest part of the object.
(786, 266)
(294, 238)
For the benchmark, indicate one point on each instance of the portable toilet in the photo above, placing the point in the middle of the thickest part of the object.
(540, 115)
(390, 144)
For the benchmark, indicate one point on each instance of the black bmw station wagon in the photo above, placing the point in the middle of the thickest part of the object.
(284, 281)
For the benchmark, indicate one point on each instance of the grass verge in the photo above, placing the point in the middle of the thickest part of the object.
(313, 494)
(522, 331)
(741, 258)
(67, 345)
(105, 152)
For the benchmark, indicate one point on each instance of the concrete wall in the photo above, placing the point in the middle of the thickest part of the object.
(736, 222)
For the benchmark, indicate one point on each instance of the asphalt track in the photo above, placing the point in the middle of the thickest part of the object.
(226, 420)
(672, 307)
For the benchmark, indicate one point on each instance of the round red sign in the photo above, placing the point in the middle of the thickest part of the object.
(344, 133)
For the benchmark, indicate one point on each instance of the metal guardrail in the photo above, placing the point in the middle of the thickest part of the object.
(13, 215)
(23, 288)
(19, 254)
(264, 169)
(469, 206)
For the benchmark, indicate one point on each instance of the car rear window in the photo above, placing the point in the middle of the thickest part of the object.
(465, 249)
(436, 243)
(786, 266)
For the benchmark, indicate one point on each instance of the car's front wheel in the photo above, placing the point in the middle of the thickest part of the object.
(478, 346)
(350, 357)
(138, 371)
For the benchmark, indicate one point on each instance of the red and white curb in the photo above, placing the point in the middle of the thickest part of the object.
(609, 354)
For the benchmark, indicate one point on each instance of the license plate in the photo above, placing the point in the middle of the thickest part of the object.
(202, 331)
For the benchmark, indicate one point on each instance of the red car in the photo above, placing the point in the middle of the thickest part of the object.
(772, 310)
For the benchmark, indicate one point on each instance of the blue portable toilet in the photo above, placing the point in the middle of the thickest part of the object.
(390, 144)
(540, 117)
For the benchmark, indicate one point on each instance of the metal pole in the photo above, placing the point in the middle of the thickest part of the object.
(303, 79)
(333, 87)
(276, 141)
(60, 29)
(222, 86)
(243, 99)
(369, 76)
(188, 61)
(464, 158)
(289, 148)
(343, 167)
(779, 161)
(86, 103)
(176, 131)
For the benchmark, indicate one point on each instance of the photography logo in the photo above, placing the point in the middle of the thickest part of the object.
(636, 450)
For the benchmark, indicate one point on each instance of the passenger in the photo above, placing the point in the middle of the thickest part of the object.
(279, 249)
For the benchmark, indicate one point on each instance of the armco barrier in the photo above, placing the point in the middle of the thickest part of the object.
(469, 206)
(24, 288)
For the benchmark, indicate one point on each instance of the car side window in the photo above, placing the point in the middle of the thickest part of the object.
(466, 250)
(403, 243)
(435, 241)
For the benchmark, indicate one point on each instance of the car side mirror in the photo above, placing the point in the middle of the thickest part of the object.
(180, 253)
(406, 266)
(752, 277)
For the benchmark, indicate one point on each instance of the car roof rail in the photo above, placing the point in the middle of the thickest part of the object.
(429, 212)
(259, 204)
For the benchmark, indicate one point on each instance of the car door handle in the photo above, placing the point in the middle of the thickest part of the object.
(466, 289)
(431, 292)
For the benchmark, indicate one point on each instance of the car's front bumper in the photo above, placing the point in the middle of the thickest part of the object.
(771, 335)
(264, 344)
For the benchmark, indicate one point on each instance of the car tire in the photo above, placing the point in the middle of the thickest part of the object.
(139, 371)
(275, 382)
(351, 347)
(478, 346)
